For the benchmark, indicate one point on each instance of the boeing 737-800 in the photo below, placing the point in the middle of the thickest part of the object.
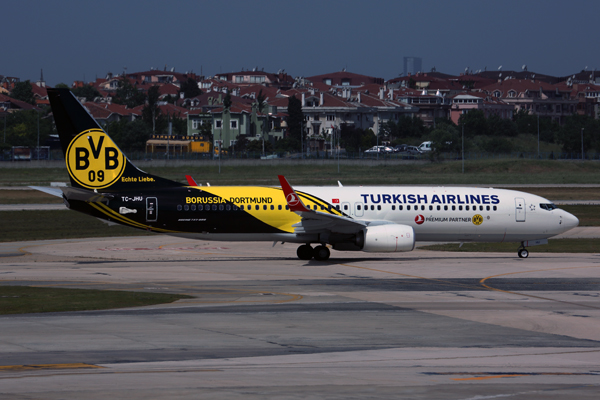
(105, 184)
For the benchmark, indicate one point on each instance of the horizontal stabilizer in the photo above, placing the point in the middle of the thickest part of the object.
(85, 195)
(54, 191)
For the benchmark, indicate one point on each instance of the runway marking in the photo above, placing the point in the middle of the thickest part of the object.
(483, 285)
(482, 282)
(35, 367)
(481, 378)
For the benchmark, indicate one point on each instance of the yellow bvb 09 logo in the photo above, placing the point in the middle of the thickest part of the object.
(93, 160)
(477, 219)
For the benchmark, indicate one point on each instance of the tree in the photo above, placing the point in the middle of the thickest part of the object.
(129, 135)
(295, 121)
(87, 91)
(446, 138)
(128, 95)
(475, 123)
(190, 89)
(151, 112)
(569, 135)
(354, 139)
(22, 128)
(23, 92)
(227, 101)
(501, 127)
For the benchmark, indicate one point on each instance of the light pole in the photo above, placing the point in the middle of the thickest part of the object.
(463, 149)
(538, 134)
(582, 157)
(38, 148)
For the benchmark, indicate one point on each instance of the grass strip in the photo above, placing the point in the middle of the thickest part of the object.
(26, 299)
(18, 226)
(354, 172)
(553, 246)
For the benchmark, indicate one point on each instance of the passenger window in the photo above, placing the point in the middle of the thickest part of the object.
(315, 207)
(214, 207)
(393, 208)
(186, 208)
(439, 208)
(430, 208)
(358, 207)
(242, 207)
(480, 208)
(379, 208)
(279, 207)
(372, 208)
(337, 207)
(235, 208)
(257, 207)
(346, 207)
(179, 207)
(495, 208)
(459, 208)
(322, 207)
(422, 208)
(193, 207)
(287, 207)
(400, 208)
(265, 207)
(445, 208)
(221, 207)
(453, 208)
(200, 207)
(272, 207)
(467, 208)
(487, 208)
(228, 207)
(408, 208)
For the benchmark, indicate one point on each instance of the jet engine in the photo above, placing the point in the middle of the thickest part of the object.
(388, 238)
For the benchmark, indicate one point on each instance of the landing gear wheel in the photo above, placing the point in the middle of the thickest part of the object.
(321, 253)
(523, 253)
(305, 252)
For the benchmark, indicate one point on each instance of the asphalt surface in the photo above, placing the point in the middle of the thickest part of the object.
(263, 324)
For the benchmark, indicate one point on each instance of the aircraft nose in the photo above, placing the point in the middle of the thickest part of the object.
(569, 220)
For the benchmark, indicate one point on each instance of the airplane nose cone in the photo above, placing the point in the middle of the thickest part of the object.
(570, 221)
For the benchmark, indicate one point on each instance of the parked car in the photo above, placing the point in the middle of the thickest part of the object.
(400, 148)
(425, 146)
(379, 149)
(413, 150)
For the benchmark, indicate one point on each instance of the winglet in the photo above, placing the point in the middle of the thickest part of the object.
(191, 180)
(293, 200)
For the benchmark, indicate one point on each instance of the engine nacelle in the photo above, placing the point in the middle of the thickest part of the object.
(389, 238)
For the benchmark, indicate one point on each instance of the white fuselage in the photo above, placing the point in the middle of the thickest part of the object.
(439, 214)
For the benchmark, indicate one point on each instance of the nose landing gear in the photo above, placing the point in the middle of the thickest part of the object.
(319, 253)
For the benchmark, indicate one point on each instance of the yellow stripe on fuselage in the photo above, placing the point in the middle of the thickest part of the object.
(254, 196)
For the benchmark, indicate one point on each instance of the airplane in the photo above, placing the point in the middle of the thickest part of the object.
(379, 219)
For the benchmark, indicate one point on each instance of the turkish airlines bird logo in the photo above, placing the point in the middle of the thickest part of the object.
(292, 199)
(419, 219)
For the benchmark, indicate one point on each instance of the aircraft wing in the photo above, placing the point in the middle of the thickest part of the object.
(54, 191)
(315, 221)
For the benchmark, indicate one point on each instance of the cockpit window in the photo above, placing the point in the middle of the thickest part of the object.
(547, 206)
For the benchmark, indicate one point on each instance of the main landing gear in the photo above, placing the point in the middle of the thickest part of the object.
(319, 253)
(522, 252)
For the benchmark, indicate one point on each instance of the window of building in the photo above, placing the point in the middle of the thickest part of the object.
(330, 117)
(218, 124)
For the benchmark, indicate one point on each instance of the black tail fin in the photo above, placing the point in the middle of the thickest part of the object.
(93, 160)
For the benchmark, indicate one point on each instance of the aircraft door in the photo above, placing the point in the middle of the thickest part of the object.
(151, 209)
(358, 209)
(520, 209)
